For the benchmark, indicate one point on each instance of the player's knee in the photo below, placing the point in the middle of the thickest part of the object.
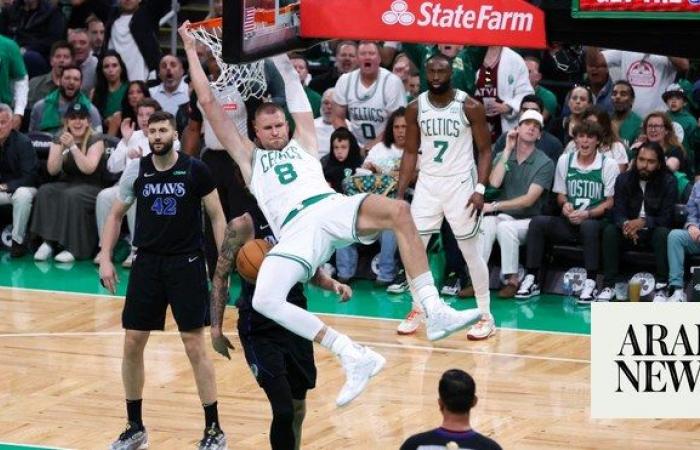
(266, 302)
(134, 344)
(401, 213)
(283, 412)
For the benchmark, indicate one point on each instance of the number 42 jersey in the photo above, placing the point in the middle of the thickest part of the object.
(446, 147)
(282, 179)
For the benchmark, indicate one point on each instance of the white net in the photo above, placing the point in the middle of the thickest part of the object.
(249, 78)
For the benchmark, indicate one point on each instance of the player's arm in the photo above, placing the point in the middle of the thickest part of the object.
(476, 114)
(238, 232)
(297, 104)
(212, 205)
(410, 151)
(239, 147)
(322, 280)
(110, 233)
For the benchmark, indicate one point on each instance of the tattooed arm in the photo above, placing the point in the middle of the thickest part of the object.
(238, 232)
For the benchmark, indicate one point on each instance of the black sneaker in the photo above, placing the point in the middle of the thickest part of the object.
(400, 284)
(134, 437)
(214, 439)
(451, 286)
(18, 250)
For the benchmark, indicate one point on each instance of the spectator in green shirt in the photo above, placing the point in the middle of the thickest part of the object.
(301, 65)
(465, 61)
(625, 122)
(674, 97)
(110, 88)
(13, 79)
(551, 107)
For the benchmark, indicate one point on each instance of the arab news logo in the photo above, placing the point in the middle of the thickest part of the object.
(398, 13)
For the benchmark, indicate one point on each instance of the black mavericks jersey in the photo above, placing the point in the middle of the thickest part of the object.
(168, 205)
(249, 320)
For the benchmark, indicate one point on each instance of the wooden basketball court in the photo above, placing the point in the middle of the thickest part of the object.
(60, 386)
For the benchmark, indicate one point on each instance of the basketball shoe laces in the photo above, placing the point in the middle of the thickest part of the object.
(211, 436)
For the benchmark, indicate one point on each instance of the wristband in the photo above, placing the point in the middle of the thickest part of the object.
(480, 189)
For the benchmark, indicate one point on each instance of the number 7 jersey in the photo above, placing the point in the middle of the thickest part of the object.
(282, 179)
(446, 147)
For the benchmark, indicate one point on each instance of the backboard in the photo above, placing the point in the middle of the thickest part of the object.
(255, 29)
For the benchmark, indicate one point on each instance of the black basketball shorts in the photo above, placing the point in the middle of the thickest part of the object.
(277, 352)
(157, 281)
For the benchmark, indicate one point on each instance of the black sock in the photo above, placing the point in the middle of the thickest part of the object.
(211, 415)
(133, 411)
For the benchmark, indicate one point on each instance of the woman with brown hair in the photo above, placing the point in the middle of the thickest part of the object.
(610, 143)
(64, 211)
(657, 127)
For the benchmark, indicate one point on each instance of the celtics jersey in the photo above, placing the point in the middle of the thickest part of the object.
(585, 189)
(367, 107)
(446, 147)
(282, 179)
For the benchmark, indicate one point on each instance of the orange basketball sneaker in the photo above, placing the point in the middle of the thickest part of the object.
(483, 329)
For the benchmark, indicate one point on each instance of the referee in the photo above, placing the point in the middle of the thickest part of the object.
(281, 362)
(169, 269)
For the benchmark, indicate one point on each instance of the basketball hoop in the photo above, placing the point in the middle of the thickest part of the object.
(248, 78)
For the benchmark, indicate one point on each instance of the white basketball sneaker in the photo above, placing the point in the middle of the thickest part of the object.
(410, 324)
(360, 364)
(443, 320)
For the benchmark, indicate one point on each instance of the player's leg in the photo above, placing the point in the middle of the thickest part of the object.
(205, 377)
(377, 213)
(466, 227)
(144, 310)
(188, 295)
(277, 275)
(279, 394)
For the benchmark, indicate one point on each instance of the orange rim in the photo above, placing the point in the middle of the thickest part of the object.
(207, 24)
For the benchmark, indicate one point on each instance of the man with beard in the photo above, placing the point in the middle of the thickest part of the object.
(169, 188)
(444, 123)
(642, 216)
(47, 113)
(626, 123)
(172, 91)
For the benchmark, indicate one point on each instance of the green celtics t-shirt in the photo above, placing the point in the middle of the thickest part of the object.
(584, 189)
(11, 68)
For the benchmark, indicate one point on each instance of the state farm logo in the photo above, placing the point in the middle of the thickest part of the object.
(398, 13)
(436, 15)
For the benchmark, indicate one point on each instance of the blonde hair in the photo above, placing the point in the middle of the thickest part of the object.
(88, 134)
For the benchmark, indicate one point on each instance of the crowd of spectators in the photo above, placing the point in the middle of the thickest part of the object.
(590, 146)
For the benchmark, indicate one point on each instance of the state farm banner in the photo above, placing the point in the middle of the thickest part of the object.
(637, 9)
(513, 23)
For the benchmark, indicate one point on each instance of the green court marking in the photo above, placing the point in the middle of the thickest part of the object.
(8, 446)
(549, 313)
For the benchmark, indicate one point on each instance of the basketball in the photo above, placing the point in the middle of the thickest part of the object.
(250, 258)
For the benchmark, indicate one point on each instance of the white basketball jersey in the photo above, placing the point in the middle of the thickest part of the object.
(367, 106)
(282, 179)
(234, 107)
(446, 147)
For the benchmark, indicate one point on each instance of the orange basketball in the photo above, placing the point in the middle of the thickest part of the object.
(250, 258)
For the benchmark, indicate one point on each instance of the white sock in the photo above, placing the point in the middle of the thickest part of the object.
(336, 342)
(426, 292)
